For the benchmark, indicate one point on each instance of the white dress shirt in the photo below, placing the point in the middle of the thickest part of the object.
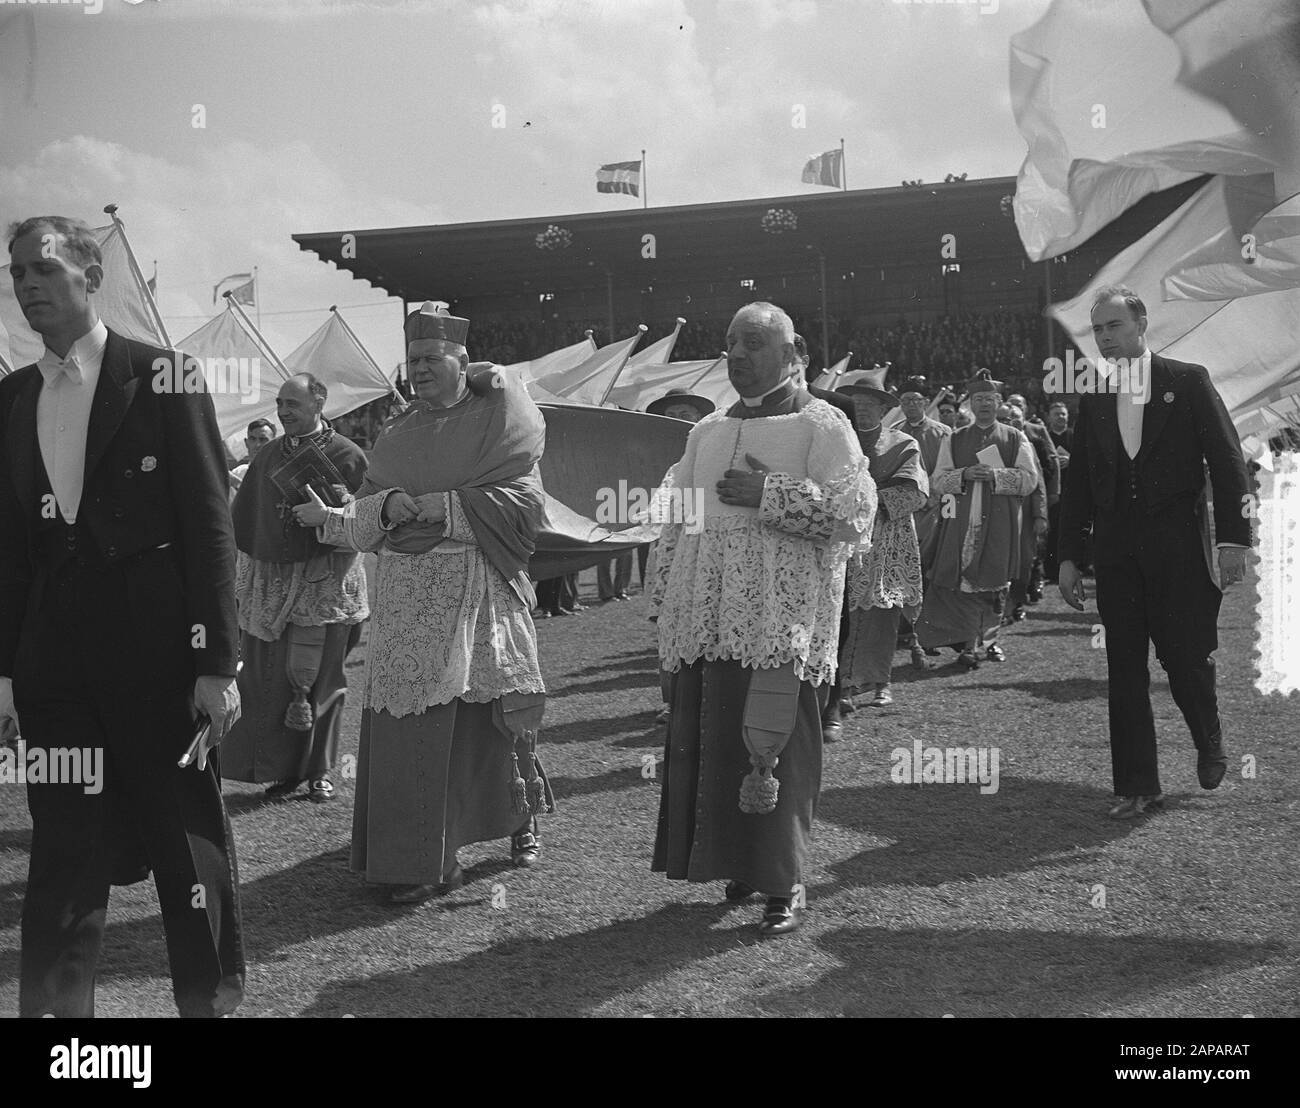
(1130, 404)
(1133, 393)
(63, 415)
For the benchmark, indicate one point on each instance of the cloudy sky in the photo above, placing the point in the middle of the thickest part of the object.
(349, 114)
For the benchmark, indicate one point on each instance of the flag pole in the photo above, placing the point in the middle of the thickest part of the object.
(645, 189)
(111, 211)
(844, 169)
(5, 367)
(848, 357)
(257, 299)
(713, 365)
(365, 353)
(641, 329)
(677, 330)
(256, 335)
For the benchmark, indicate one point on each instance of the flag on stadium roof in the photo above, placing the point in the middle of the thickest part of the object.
(825, 169)
(619, 177)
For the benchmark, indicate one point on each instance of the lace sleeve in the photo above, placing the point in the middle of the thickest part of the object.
(836, 502)
(899, 501)
(1020, 479)
(356, 525)
(947, 478)
(456, 523)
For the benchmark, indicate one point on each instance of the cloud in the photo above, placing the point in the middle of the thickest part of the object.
(236, 207)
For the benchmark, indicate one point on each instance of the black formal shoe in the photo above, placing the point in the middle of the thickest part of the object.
(832, 731)
(1134, 807)
(846, 707)
(284, 788)
(968, 659)
(525, 846)
(780, 917)
(994, 653)
(738, 890)
(1211, 765)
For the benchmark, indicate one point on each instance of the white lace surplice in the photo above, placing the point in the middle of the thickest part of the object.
(445, 624)
(763, 586)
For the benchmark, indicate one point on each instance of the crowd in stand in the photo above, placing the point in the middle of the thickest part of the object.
(943, 349)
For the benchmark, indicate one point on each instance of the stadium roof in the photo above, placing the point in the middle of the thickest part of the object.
(694, 242)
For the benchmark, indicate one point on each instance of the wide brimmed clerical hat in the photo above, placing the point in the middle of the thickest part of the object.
(862, 382)
(983, 382)
(702, 404)
(432, 321)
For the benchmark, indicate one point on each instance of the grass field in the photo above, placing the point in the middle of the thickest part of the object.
(923, 901)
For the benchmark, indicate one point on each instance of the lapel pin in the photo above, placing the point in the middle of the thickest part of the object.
(148, 463)
(1169, 398)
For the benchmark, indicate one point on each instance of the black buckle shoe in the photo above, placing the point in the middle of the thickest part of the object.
(780, 917)
(525, 846)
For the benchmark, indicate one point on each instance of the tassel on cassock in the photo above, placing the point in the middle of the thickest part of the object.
(298, 716)
(759, 789)
(518, 790)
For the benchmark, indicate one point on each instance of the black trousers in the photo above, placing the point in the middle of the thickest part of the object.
(143, 813)
(1153, 587)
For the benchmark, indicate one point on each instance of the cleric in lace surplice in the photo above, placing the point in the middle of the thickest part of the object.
(453, 692)
(737, 589)
(884, 583)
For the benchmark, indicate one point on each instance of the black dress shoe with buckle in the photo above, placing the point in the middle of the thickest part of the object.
(780, 917)
(525, 846)
(1211, 764)
(832, 731)
(738, 890)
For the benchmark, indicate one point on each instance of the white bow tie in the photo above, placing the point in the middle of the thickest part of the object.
(51, 369)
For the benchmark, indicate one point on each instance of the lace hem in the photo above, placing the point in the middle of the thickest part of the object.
(743, 591)
(446, 626)
(271, 595)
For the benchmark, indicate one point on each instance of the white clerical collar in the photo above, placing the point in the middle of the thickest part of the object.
(759, 401)
(88, 347)
(919, 423)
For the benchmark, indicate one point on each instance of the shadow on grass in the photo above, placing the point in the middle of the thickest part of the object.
(641, 660)
(628, 777)
(595, 730)
(942, 833)
(1061, 690)
(927, 973)
(568, 976)
(646, 678)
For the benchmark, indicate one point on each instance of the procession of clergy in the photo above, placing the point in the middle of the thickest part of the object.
(824, 534)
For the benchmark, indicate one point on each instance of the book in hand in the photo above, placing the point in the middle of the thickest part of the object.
(309, 468)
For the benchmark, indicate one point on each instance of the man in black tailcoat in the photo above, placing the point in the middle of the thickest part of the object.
(1142, 443)
(117, 619)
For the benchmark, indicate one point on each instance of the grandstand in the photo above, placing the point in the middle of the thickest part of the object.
(863, 270)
